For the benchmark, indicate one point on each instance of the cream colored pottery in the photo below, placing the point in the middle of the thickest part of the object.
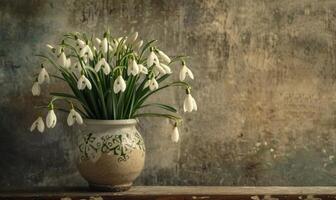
(110, 153)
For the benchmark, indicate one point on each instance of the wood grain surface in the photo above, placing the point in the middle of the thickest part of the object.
(176, 193)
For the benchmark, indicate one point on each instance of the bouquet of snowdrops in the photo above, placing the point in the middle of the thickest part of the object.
(110, 79)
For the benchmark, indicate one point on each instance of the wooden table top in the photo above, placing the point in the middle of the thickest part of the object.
(176, 192)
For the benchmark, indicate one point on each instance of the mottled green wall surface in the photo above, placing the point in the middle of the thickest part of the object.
(265, 86)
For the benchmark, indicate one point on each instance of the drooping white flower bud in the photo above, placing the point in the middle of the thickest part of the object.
(86, 51)
(81, 43)
(158, 69)
(143, 69)
(133, 68)
(151, 58)
(175, 135)
(68, 63)
(184, 72)
(83, 83)
(39, 124)
(138, 44)
(131, 39)
(36, 89)
(152, 84)
(43, 76)
(62, 60)
(98, 42)
(166, 68)
(50, 46)
(189, 104)
(119, 85)
(73, 117)
(104, 45)
(51, 119)
(164, 57)
(103, 64)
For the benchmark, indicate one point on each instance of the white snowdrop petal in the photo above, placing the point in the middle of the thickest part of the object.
(99, 64)
(138, 44)
(153, 84)
(164, 57)
(183, 73)
(151, 58)
(175, 135)
(166, 68)
(191, 75)
(107, 68)
(98, 41)
(49, 46)
(33, 126)
(51, 119)
(104, 45)
(189, 104)
(62, 60)
(88, 84)
(147, 84)
(43, 76)
(36, 89)
(132, 38)
(194, 104)
(81, 43)
(79, 118)
(119, 85)
(70, 119)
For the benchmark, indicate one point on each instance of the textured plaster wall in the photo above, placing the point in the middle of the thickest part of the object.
(265, 85)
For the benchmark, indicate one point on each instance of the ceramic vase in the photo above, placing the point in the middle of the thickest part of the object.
(110, 154)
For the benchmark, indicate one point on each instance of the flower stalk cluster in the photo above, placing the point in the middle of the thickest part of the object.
(110, 79)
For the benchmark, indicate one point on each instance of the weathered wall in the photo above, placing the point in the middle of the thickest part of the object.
(265, 86)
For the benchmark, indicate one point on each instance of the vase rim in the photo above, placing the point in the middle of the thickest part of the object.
(110, 122)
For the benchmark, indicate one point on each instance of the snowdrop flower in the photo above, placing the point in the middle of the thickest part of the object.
(98, 42)
(43, 76)
(138, 44)
(163, 56)
(104, 45)
(132, 38)
(51, 119)
(143, 69)
(158, 68)
(68, 63)
(86, 51)
(103, 64)
(62, 60)
(85, 59)
(119, 85)
(73, 117)
(36, 89)
(175, 135)
(50, 46)
(151, 58)
(185, 71)
(83, 82)
(39, 124)
(166, 68)
(133, 68)
(189, 104)
(76, 67)
(81, 43)
(152, 83)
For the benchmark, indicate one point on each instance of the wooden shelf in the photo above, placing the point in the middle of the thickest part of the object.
(178, 193)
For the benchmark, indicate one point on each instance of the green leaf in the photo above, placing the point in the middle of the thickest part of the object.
(59, 94)
(164, 106)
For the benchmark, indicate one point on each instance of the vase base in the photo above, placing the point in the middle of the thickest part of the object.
(110, 188)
